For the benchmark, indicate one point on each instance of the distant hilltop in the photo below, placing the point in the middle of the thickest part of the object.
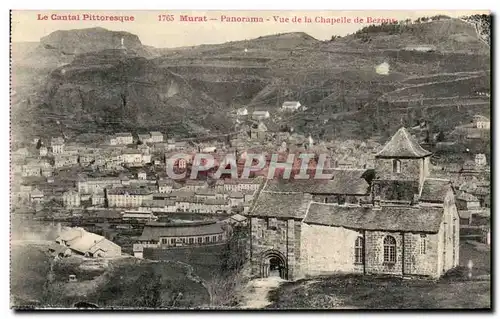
(90, 40)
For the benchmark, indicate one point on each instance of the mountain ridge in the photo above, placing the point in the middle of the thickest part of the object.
(330, 77)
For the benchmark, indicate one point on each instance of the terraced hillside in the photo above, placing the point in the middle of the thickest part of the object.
(190, 88)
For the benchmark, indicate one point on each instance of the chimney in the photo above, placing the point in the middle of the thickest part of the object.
(376, 202)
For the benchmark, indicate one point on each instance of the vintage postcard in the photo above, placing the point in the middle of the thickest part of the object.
(250, 160)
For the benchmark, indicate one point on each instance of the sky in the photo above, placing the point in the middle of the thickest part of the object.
(27, 27)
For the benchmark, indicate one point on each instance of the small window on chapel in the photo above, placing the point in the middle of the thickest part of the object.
(423, 243)
(396, 166)
(272, 223)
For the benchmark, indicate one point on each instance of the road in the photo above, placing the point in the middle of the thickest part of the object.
(256, 293)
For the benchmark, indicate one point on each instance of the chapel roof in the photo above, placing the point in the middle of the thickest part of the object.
(403, 145)
(386, 218)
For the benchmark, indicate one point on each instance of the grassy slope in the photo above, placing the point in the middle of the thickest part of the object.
(359, 292)
(338, 79)
(334, 79)
(127, 283)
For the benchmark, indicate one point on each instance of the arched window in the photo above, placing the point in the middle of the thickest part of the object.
(396, 166)
(358, 250)
(389, 250)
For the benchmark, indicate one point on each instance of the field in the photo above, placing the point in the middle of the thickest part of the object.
(370, 292)
(123, 282)
(205, 260)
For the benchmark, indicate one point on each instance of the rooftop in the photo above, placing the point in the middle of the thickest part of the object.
(238, 217)
(350, 182)
(128, 134)
(57, 141)
(288, 205)
(129, 191)
(481, 118)
(387, 218)
(154, 230)
(403, 145)
(291, 104)
(236, 195)
(467, 197)
(434, 190)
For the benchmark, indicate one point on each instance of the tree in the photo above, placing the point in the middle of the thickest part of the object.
(224, 283)
(234, 254)
(440, 137)
(222, 288)
(150, 289)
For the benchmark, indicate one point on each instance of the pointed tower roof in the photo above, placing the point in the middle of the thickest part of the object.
(403, 145)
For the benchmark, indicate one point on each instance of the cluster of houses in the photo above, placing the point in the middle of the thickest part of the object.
(127, 138)
(473, 187)
(122, 149)
(479, 128)
(141, 196)
(108, 188)
(260, 115)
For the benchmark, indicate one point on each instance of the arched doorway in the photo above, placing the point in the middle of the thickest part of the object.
(273, 264)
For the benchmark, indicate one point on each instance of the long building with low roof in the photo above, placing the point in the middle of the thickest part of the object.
(171, 235)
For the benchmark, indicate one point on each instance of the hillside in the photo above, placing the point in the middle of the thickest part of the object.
(40, 281)
(445, 35)
(337, 80)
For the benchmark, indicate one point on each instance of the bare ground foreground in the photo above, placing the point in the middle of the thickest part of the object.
(452, 291)
(255, 294)
(39, 281)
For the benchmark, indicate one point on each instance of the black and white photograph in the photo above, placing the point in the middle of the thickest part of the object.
(250, 160)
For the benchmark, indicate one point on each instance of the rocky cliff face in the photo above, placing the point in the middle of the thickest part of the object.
(110, 87)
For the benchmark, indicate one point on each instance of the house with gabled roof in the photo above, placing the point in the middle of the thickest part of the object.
(144, 138)
(122, 139)
(291, 105)
(156, 137)
(88, 244)
(260, 115)
(398, 220)
(258, 131)
(481, 122)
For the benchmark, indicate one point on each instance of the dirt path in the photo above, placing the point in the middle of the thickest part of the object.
(255, 295)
